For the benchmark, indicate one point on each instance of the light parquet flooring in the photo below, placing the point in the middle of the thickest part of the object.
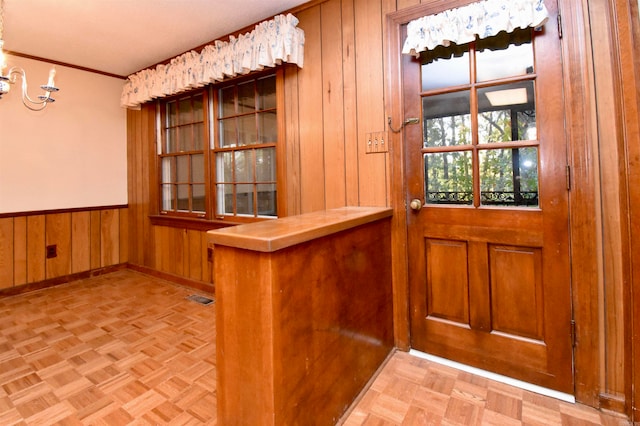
(117, 349)
(413, 391)
(125, 348)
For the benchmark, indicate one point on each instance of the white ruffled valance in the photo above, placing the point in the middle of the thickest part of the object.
(269, 44)
(482, 19)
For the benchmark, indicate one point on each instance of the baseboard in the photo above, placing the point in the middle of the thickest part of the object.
(52, 282)
(176, 279)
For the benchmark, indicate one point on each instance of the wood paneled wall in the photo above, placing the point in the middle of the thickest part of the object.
(339, 96)
(85, 240)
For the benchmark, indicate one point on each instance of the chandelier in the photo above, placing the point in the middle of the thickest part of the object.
(11, 77)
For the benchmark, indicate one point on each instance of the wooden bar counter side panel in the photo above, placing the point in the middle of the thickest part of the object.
(302, 328)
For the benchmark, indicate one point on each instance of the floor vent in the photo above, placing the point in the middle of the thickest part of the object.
(200, 299)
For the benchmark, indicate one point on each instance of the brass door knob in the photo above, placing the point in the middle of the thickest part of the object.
(415, 205)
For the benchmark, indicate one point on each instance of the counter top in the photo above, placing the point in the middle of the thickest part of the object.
(272, 235)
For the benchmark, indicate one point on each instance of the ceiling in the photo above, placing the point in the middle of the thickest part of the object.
(124, 36)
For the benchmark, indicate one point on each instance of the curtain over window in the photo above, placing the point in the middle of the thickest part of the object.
(269, 44)
(482, 19)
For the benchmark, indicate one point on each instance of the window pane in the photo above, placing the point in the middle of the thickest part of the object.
(182, 169)
(266, 165)
(247, 132)
(448, 178)
(267, 93)
(199, 203)
(183, 197)
(185, 111)
(225, 199)
(447, 119)
(506, 112)
(267, 199)
(445, 67)
(224, 167)
(504, 55)
(186, 136)
(244, 166)
(198, 110)
(198, 136)
(509, 177)
(227, 102)
(197, 168)
(168, 171)
(168, 197)
(244, 199)
(246, 97)
(268, 122)
(172, 114)
(228, 132)
(172, 140)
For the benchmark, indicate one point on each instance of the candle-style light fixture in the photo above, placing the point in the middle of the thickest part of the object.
(6, 80)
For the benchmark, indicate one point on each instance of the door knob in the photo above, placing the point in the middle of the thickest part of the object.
(415, 205)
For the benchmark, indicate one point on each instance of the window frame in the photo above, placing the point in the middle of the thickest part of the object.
(209, 219)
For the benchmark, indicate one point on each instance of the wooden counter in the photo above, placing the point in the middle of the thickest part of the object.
(303, 314)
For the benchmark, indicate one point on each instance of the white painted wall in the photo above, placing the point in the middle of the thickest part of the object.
(71, 155)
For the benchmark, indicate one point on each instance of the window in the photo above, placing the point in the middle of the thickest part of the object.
(480, 137)
(245, 150)
(183, 158)
(217, 151)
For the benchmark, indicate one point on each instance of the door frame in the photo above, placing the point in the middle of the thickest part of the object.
(583, 198)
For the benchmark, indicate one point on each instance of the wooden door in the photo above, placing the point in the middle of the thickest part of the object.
(488, 240)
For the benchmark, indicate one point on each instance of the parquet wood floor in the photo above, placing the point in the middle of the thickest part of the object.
(125, 348)
(413, 391)
(116, 349)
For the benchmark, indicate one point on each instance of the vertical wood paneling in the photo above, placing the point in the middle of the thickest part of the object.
(207, 261)
(180, 247)
(350, 96)
(124, 236)
(35, 248)
(109, 237)
(58, 233)
(19, 250)
(80, 241)
(312, 174)
(96, 239)
(370, 88)
(6, 252)
(292, 141)
(133, 164)
(406, 3)
(194, 255)
(148, 157)
(333, 105)
(609, 136)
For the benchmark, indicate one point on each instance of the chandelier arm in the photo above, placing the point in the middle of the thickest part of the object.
(13, 73)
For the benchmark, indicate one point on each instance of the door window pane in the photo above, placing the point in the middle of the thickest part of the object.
(504, 55)
(509, 177)
(447, 119)
(445, 67)
(507, 113)
(448, 178)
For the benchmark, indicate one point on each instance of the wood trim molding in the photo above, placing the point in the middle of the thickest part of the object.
(57, 211)
(586, 243)
(65, 64)
(40, 285)
(176, 279)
